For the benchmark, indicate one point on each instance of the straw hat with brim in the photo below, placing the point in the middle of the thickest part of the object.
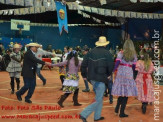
(17, 46)
(32, 45)
(102, 41)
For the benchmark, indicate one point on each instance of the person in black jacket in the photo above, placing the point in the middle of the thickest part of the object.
(29, 72)
(97, 67)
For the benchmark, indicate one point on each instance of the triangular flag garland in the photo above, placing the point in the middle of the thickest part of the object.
(54, 25)
(147, 1)
(98, 20)
(49, 5)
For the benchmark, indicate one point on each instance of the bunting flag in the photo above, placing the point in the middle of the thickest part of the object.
(51, 25)
(103, 2)
(118, 13)
(11, 2)
(2, 1)
(122, 21)
(28, 2)
(49, 5)
(19, 2)
(62, 16)
(147, 1)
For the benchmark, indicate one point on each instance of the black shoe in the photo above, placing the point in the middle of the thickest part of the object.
(12, 92)
(111, 102)
(28, 101)
(116, 110)
(82, 118)
(18, 87)
(123, 115)
(60, 104)
(144, 109)
(101, 118)
(86, 90)
(44, 83)
(19, 97)
(77, 104)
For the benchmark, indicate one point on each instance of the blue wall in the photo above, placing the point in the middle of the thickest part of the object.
(50, 35)
(138, 27)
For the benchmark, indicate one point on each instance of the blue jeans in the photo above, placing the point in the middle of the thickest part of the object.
(40, 75)
(86, 84)
(96, 106)
(29, 84)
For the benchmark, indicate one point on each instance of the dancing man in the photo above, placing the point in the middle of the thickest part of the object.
(29, 72)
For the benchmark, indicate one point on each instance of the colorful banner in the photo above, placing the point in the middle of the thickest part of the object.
(62, 16)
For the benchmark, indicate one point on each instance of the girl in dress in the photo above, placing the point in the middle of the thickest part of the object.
(71, 81)
(124, 85)
(144, 81)
(62, 69)
(14, 67)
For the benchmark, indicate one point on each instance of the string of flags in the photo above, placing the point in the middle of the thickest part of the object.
(41, 6)
(36, 7)
(117, 13)
(52, 25)
(98, 20)
(146, 1)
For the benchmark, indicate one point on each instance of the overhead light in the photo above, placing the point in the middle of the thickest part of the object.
(77, 1)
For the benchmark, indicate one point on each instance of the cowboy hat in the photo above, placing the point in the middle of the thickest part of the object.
(17, 46)
(32, 45)
(102, 41)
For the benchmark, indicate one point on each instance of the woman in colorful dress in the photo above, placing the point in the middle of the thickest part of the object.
(124, 85)
(14, 67)
(144, 81)
(71, 81)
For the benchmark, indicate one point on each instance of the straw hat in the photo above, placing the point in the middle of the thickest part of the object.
(102, 41)
(17, 46)
(32, 45)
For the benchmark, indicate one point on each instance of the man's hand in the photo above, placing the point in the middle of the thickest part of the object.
(109, 77)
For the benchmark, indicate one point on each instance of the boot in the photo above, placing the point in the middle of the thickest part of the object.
(12, 85)
(119, 100)
(62, 77)
(75, 98)
(123, 106)
(144, 105)
(62, 99)
(18, 83)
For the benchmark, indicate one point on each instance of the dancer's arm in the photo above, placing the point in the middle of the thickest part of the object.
(60, 64)
(34, 59)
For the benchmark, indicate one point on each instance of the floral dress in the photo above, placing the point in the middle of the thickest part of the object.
(144, 82)
(71, 81)
(124, 84)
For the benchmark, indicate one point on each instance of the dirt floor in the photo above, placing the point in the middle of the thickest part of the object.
(45, 109)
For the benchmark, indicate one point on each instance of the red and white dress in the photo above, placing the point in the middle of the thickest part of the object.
(144, 82)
